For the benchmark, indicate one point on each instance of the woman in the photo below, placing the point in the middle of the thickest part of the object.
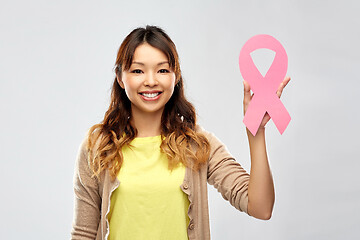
(142, 172)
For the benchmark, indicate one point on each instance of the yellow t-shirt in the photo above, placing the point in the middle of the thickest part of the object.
(149, 203)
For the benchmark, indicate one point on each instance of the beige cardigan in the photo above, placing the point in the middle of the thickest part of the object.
(92, 196)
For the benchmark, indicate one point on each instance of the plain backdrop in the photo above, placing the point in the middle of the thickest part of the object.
(56, 70)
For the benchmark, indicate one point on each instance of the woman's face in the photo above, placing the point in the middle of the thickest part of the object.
(150, 82)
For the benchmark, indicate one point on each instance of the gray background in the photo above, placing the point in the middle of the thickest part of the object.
(56, 69)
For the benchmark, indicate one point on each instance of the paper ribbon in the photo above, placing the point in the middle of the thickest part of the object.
(264, 88)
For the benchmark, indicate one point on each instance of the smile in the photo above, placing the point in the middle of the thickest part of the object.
(150, 95)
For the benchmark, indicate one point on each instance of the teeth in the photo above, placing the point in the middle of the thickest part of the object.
(150, 95)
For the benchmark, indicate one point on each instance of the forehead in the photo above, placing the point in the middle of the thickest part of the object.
(147, 53)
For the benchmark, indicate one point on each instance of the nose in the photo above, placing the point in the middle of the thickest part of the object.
(150, 80)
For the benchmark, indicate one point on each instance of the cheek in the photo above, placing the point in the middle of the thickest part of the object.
(128, 87)
(129, 83)
(172, 81)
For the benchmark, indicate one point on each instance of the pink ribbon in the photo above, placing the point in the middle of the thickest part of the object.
(264, 88)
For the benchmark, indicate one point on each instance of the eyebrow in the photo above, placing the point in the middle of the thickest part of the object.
(160, 63)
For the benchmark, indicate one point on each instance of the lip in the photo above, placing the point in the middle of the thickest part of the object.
(153, 91)
(150, 99)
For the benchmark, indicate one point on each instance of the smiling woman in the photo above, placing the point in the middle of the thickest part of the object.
(142, 172)
(149, 84)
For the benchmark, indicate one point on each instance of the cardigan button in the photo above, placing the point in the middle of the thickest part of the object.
(191, 227)
(186, 186)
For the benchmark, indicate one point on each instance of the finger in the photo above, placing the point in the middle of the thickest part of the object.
(286, 81)
(247, 92)
(265, 120)
(283, 85)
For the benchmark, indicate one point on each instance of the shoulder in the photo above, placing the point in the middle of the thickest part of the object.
(82, 155)
(86, 150)
(200, 129)
(216, 145)
(83, 174)
(209, 135)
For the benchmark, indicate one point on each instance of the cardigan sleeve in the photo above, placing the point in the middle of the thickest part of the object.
(87, 199)
(227, 175)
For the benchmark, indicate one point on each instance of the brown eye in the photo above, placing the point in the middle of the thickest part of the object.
(137, 71)
(163, 71)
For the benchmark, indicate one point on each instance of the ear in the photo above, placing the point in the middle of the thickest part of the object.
(177, 81)
(120, 82)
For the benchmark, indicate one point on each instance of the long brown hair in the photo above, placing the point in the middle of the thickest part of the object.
(180, 142)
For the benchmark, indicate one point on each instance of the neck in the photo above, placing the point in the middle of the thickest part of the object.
(147, 124)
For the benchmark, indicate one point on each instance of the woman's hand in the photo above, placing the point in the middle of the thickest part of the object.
(248, 96)
(261, 193)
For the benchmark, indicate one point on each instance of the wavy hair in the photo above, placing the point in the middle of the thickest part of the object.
(180, 140)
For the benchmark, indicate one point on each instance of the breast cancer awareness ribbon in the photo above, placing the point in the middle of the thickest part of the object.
(264, 88)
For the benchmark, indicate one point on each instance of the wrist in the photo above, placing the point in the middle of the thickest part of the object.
(261, 130)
